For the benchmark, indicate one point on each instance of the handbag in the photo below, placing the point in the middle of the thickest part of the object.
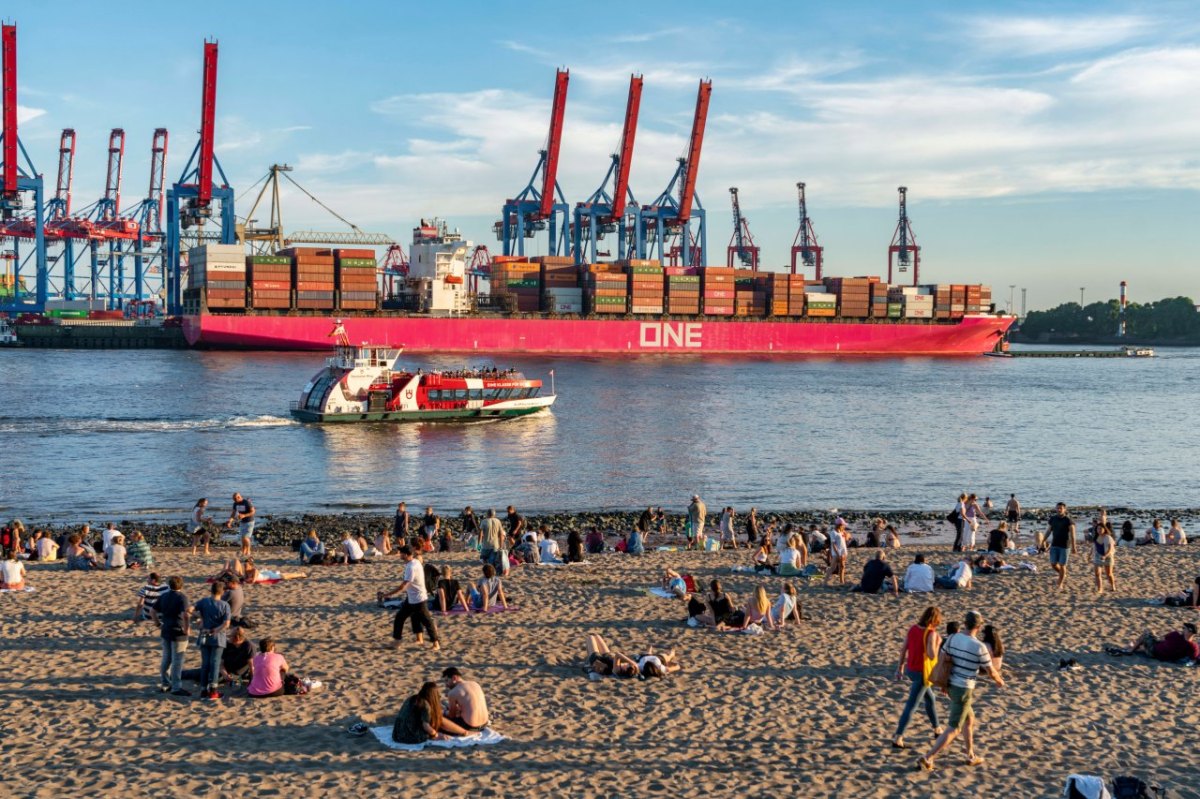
(927, 664)
(940, 676)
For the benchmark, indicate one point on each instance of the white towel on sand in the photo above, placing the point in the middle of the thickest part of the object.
(662, 592)
(482, 738)
(26, 590)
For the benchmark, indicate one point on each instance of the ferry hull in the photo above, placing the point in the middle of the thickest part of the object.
(971, 335)
(316, 417)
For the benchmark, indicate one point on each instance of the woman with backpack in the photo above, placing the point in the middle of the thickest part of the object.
(918, 656)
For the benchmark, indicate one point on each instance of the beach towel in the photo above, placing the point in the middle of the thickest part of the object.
(1027, 566)
(484, 737)
(560, 563)
(1087, 786)
(662, 592)
(666, 549)
(26, 590)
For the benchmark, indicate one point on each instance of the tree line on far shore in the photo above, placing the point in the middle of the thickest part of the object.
(1173, 319)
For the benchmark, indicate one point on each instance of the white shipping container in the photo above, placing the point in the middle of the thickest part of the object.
(219, 266)
(565, 293)
(918, 313)
(566, 307)
(228, 250)
(814, 296)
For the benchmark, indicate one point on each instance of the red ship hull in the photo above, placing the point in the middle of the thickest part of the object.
(971, 335)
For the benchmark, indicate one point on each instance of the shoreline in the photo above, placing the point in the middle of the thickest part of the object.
(913, 526)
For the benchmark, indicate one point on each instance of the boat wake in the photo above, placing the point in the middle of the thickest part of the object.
(55, 426)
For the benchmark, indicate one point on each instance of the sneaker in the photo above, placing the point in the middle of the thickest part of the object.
(358, 729)
(181, 692)
(213, 695)
(164, 688)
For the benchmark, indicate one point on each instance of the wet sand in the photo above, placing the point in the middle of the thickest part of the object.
(808, 711)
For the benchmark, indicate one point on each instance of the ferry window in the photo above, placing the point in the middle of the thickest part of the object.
(476, 393)
(435, 395)
(505, 393)
(460, 393)
(489, 394)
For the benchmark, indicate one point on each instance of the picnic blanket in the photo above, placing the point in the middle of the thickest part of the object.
(484, 737)
(26, 590)
(560, 563)
(662, 592)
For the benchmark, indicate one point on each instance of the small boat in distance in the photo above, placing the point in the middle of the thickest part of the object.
(8, 338)
(365, 383)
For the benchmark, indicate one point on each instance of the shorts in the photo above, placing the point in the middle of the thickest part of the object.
(960, 706)
(201, 530)
(247, 529)
(1059, 555)
(1102, 560)
(466, 726)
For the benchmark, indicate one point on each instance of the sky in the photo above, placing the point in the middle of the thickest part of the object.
(1050, 146)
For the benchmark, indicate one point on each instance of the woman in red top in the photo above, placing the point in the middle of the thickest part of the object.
(921, 646)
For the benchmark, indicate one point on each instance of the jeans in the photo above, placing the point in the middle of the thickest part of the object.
(171, 668)
(916, 691)
(210, 666)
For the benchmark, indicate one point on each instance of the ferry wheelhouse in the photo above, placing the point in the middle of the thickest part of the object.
(365, 383)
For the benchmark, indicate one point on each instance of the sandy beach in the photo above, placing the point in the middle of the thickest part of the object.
(808, 711)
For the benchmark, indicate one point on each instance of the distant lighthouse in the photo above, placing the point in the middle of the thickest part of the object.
(1121, 313)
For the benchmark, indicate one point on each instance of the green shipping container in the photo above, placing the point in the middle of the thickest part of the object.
(683, 278)
(610, 300)
(357, 262)
(268, 259)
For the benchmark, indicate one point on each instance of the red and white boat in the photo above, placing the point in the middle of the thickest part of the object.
(365, 383)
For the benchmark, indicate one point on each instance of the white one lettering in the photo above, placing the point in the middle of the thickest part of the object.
(656, 335)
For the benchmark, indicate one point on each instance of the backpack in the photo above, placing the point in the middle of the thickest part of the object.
(1133, 788)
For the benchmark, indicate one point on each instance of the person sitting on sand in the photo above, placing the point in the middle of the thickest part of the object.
(757, 610)
(1156, 534)
(761, 560)
(673, 582)
(815, 540)
(235, 597)
(449, 592)
(47, 549)
(786, 607)
(998, 539)
(604, 662)
(383, 543)
(488, 591)
(595, 541)
(466, 705)
(548, 548)
(1175, 646)
(791, 562)
(651, 665)
(718, 611)
(1128, 538)
(312, 549)
(918, 578)
(80, 557)
(137, 552)
(352, 551)
(420, 718)
(875, 536)
(12, 572)
(114, 553)
(635, 545)
(958, 579)
(1176, 535)
(876, 572)
(1189, 597)
(236, 660)
(143, 608)
(574, 546)
(269, 668)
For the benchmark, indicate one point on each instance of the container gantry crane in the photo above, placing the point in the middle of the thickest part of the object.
(668, 219)
(543, 208)
(903, 250)
(604, 212)
(741, 244)
(190, 200)
(805, 249)
(148, 216)
(18, 177)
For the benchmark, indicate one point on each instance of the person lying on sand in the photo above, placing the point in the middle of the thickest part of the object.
(1175, 646)
(605, 662)
(658, 666)
(1189, 597)
(673, 581)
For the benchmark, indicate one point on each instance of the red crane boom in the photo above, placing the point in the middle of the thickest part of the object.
(8, 55)
(158, 168)
(632, 107)
(61, 204)
(208, 110)
(554, 141)
(112, 183)
(692, 167)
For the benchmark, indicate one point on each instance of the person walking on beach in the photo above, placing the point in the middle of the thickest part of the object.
(199, 526)
(958, 517)
(751, 528)
(1061, 533)
(492, 547)
(1104, 553)
(470, 526)
(968, 656)
(1012, 514)
(415, 602)
(400, 524)
(243, 514)
(174, 612)
(837, 554)
(697, 512)
(726, 527)
(973, 514)
(432, 524)
(918, 656)
(215, 616)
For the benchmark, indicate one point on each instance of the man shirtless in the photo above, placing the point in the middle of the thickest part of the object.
(468, 708)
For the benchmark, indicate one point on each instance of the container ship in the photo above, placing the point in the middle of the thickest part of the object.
(551, 305)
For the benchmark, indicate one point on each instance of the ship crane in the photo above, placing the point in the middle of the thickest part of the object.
(741, 244)
(541, 208)
(190, 199)
(18, 177)
(805, 249)
(393, 266)
(665, 225)
(148, 216)
(604, 212)
(479, 267)
(904, 250)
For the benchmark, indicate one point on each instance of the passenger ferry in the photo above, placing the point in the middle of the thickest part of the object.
(8, 337)
(365, 383)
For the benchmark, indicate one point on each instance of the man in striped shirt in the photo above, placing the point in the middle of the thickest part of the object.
(968, 656)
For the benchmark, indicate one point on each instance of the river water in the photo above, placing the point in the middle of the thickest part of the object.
(91, 435)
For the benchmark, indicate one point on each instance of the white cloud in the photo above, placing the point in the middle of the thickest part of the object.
(26, 113)
(1046, 35)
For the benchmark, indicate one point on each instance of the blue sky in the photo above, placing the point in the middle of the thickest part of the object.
(1046, 145)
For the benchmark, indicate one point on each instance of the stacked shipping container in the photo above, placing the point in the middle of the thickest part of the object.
(312, 276)
(718, 290)
(607, 290)
(356, 281)
(221, 270)
(647, 292)
(270, 281)
(682, 291)
(561, 293)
